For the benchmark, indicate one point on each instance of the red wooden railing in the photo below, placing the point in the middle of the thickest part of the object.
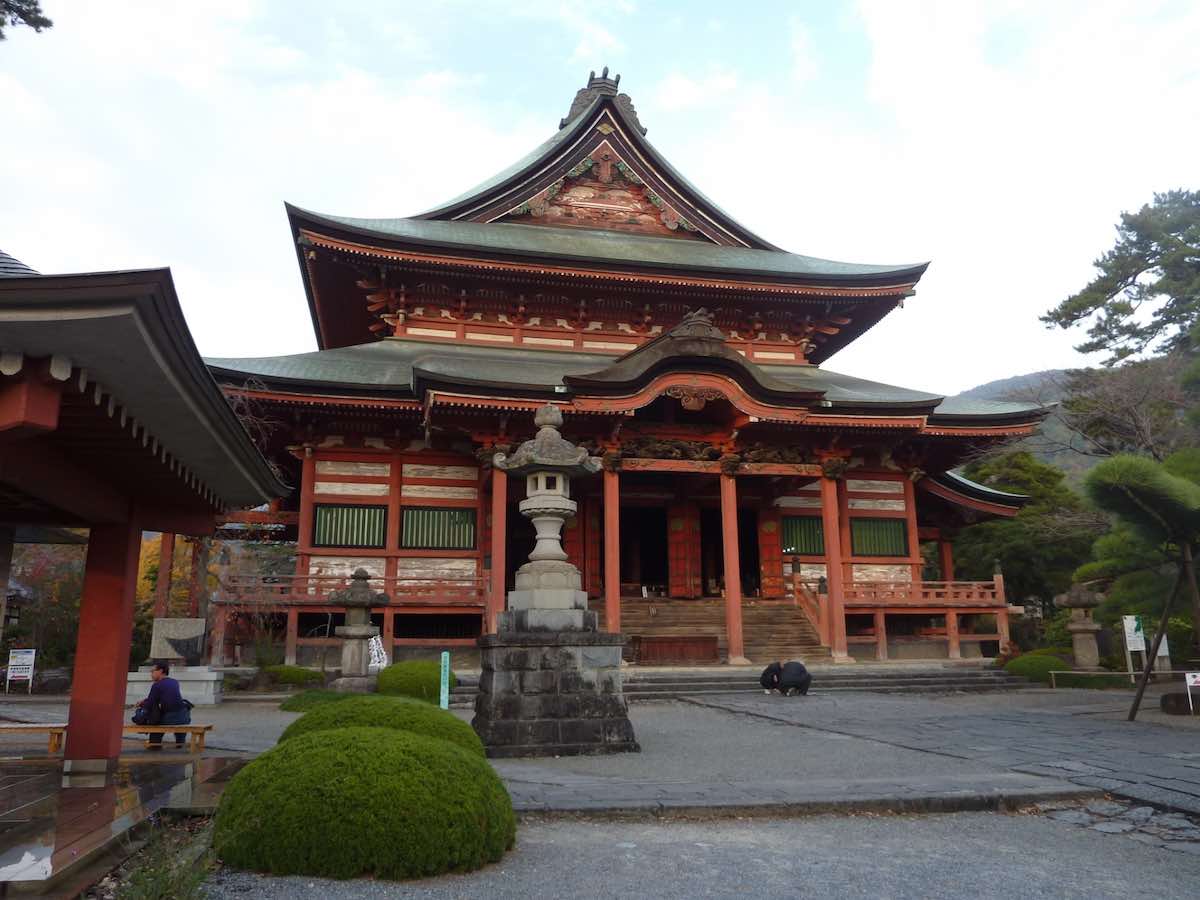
(924, 593)
(413, 588)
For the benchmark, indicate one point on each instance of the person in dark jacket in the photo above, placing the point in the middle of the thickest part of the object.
(166, 705)
(788, 678)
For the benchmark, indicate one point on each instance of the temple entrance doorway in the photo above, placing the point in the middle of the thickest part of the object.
(712, 552)
(644, 551)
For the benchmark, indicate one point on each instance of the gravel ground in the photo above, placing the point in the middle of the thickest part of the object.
(951, 856)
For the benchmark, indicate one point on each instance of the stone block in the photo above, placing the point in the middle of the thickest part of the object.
(541, 620)
(562, 658)
(516, 658)
(540, 731)
(618, 731)
(178, 640)
(547, 598)
(581, 731)
(499, 706)
(496, 732)
(608, 681)
(540, 682)
(601, 657)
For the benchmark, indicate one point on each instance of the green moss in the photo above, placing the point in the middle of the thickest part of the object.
(1035, 668)
(374, 711)
(415, 678)
(1050, 651)
(293, 675)
(364, 802)
(306, 700)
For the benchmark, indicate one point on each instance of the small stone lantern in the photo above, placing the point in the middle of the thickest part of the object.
(356, 634)
(1082, 626)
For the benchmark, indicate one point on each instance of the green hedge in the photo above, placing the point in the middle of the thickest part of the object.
(1035, 668)
(293, 675)
(306, 700)
(415, 678)
(401, 713)
(1061, 652)
(364, 802)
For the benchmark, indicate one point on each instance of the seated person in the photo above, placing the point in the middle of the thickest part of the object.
(166, 705)
(788, 678)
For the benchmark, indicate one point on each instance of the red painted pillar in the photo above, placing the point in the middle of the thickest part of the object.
(102, 653)
(881, 648)
(217, 657)
(496, 598)
(612, 552)
(162, 590)
(198, 585)
(682, 564)
(833, 569)
(733, 571)
(946, 555)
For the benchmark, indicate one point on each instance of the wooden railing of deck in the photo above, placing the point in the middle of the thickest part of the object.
(411, 589)
(924, 593)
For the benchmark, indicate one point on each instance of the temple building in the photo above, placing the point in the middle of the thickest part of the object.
(752, 504)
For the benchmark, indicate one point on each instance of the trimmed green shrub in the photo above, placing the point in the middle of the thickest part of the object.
(306, 700)
(364, 802)
(418, 678)
(401, 713)
(1035, 668)
(293, 675)
(1063, 652)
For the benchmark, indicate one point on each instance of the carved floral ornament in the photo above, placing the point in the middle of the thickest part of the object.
(693, 398)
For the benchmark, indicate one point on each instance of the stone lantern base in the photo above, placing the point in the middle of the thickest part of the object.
(552, 693)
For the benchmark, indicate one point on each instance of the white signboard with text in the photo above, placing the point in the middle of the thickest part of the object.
(1135, 638)
(20, 668)
(1192, 680)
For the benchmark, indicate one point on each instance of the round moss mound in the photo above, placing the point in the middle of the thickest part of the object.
(364, 802)
(1035, 668)
(415, 678)
(400, 713)
(306, 700)
(293, 675)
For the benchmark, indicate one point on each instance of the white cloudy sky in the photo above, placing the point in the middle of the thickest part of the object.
(998, 138)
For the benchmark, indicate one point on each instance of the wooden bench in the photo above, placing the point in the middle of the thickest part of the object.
(196, 733)
(56, 730)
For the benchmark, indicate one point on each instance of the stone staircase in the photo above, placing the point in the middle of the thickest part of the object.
(667, 684)
(770, 631)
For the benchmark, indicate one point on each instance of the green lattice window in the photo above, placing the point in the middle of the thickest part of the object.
(430, 528)
(878, 537)
(803, 536)
(349, 525)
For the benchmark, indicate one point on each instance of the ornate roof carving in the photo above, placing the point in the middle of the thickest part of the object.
(601, 87)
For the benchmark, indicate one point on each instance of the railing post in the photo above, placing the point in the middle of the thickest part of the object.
(954, 650)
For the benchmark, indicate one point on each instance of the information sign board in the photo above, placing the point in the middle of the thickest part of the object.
(20, 668)
(1135, 637)
(445, 693)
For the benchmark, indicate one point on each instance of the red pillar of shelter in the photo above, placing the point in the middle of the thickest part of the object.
(946, 554)
(733, 571)
(102, 652)
(162, 589)
(833, 568)
(683, 549)
(770, 551)
(612, 552)
(495, 603)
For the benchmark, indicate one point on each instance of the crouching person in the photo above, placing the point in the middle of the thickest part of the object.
(788, 678)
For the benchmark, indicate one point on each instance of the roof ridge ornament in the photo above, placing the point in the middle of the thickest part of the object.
(601, 87)
(697, 323)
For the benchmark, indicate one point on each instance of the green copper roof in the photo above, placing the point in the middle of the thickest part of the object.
(587, 245)
(387, 368)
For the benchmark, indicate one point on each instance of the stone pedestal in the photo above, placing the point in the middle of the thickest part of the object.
(552, 694)
(356, 659)
(200, 684)
(1083, 641)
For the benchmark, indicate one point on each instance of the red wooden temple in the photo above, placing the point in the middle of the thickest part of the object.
(753, 503)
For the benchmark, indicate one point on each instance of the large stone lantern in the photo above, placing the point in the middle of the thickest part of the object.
(1082, 626)
(551, 682)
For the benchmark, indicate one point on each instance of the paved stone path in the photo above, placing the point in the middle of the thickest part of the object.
(1080, 736)
(900, 857)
